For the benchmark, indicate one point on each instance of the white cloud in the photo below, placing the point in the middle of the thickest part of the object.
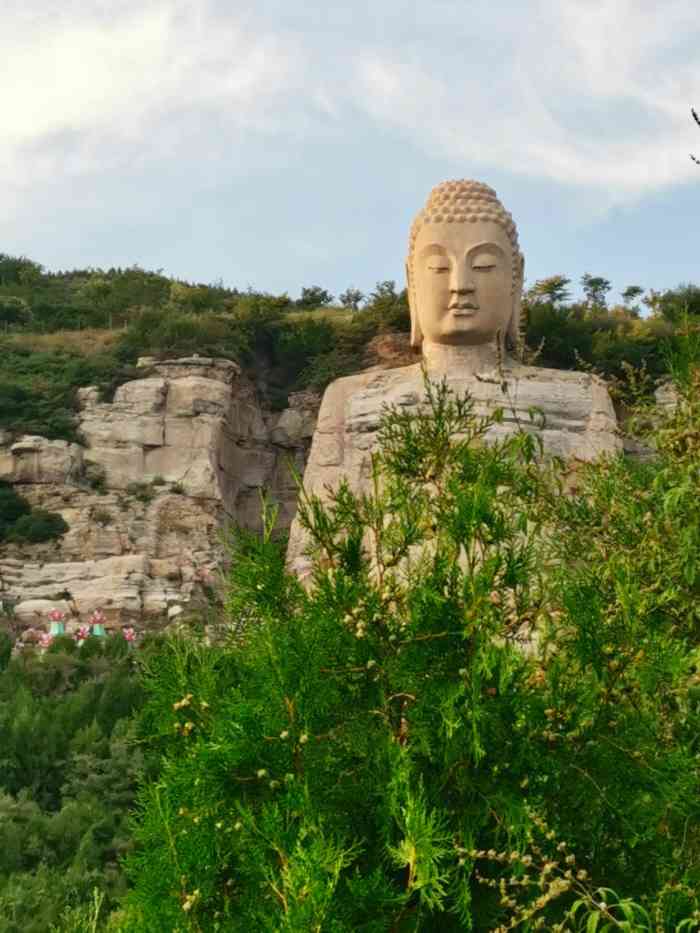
(81, 93)
(593, 94)
(583, 92)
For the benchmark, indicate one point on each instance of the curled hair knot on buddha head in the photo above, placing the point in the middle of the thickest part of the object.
(465, 201)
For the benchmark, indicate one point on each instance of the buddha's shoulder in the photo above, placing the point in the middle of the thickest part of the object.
(373, 380)
(402, 384)
(521, 372)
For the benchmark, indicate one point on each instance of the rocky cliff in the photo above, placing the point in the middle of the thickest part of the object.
(147, 494)
(160, 472)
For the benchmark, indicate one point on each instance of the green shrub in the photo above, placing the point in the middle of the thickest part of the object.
(326, 367)
(102, 517)
(168, 333)
(12, 507)
(96, 478)
(298, 343)
(39, 525)
(569, 337)
(91, 647)
(481, 714)
(116, 646)
(19, 523)
(63, 645)
(143, 492)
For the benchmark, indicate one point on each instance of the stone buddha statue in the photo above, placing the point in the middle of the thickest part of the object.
(465, 277)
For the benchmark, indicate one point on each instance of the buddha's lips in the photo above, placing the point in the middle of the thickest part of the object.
(463, 306)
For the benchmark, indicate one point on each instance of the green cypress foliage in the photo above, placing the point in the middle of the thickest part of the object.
(482, 713)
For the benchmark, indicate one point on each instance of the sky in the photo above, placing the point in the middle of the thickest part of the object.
(277, 144)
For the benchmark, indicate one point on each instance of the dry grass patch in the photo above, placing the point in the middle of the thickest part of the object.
(88, 341)
(334, 315)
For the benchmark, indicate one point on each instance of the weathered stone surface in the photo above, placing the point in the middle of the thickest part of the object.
(142, 395)
(196, 395)
(33, 611)
(139, 549)
(34, 459)
(575, 420)
(89, 395)
(120, 466)
(206, 367)
(294, 426)
(190, 467)
(81, 587)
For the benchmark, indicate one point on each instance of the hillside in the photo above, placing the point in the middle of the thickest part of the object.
(64, 330)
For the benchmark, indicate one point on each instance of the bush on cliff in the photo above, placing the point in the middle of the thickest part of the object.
(12, 507)
(482, 713)
(40, 525)
(19, 522)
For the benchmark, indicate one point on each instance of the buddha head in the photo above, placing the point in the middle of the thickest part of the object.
(464, 269)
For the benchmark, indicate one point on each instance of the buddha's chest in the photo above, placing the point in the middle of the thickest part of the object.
(559, 409)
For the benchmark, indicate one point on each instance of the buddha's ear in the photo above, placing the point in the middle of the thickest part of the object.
(515, 335)
(416, 332)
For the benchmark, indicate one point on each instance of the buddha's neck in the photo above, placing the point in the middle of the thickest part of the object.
(445, 358)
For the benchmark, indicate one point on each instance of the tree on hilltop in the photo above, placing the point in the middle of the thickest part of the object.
(351, 298)
(554, 289)
(629, 298)
(595, 288)
(314, 297)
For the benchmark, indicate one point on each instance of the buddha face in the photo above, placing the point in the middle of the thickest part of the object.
(462, 274)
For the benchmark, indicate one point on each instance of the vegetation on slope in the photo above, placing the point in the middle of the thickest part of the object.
(68, 772)
(69, 329)
(482, 716)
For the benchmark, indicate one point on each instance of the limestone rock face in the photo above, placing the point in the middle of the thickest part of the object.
(35, 459)
(161, 471)
(575, 420)
(168, 425)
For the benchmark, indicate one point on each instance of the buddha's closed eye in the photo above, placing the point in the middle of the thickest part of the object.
(484, 263)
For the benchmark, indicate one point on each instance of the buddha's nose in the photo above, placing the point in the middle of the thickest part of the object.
(461, 280)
